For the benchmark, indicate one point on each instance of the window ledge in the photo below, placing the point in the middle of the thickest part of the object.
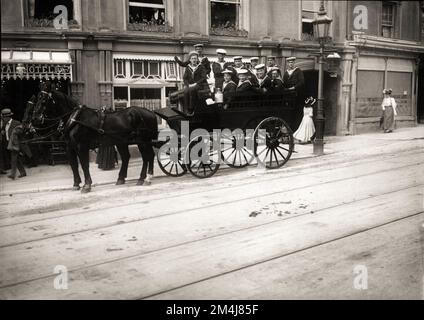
(145, 27)
(229, 32)
(47, 24)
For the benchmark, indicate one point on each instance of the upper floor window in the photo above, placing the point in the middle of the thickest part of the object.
(226, 18)
(388, 19)
(40, 13)
(310, 8)
(148, 15)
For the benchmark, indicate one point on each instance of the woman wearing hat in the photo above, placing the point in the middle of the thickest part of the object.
(194, 81)
(389, 111)
(307, 128)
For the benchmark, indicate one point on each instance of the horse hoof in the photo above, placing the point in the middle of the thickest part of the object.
(120, 181)
(85, 189)
(140, 182)
(148, 183)
(76, 188)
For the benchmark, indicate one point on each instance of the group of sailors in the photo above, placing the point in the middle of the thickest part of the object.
(235, 77)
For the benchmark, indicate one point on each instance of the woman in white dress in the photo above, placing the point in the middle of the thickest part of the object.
(389, 111)
(307, 128)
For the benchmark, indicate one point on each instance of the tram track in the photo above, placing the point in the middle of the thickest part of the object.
(253, 180)
(120, 222)
(201, 239)
(281, 256)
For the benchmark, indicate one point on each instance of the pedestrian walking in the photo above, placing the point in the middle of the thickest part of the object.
(389, 111)
(13, 132)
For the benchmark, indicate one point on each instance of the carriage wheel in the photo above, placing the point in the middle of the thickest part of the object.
(273, 142)
(202, 158)
(171, 162)
(235, 151)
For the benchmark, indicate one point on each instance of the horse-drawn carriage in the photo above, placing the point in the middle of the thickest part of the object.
(253, 129)
(250, 128)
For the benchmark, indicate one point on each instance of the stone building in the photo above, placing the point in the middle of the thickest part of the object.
(121, 52)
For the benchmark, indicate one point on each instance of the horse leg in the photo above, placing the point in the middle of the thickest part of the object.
(147, 154)
(85, 164)
(125, 157)
(73, 161)
(151, 162)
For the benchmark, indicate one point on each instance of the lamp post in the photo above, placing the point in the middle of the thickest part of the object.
(321, 29)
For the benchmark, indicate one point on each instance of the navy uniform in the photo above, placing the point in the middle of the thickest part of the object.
(271, 64)
(277, 83)
(244, 85)
(203, 60)
(228, 88)
(195, 80)
(293, 79)
(253, 63)
(218, 67)
(264, 83)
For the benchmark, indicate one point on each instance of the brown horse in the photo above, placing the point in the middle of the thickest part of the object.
(85, 128)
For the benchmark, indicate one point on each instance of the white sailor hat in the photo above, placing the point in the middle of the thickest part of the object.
(242, 71)
(238, 57)
(254, 59)
(221, 51)
(274, 69)
(271, 57)
(227, 71)
(198, 45)
(260, 66)
(291, 59)
(192, 53)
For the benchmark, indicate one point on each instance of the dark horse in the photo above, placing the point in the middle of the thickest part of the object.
(85, 128)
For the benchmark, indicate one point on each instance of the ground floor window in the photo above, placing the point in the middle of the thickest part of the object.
(144, 81)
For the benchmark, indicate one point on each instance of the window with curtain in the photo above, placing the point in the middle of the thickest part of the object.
(388, 19)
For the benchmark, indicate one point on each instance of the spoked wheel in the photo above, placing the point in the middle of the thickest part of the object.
(235, 151)
(274, 142)
(202, 158)
(170, 161)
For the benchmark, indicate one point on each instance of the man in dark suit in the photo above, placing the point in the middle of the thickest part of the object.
(204, 61)
(218, 67)
(293, 80)
(12, 130)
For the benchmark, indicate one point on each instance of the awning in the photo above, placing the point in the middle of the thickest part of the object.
(144, 57)
(35, 64)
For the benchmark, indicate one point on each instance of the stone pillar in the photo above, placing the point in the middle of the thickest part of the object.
(105, 71)
(77, 83)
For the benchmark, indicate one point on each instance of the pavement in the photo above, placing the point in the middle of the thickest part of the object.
(337, 148)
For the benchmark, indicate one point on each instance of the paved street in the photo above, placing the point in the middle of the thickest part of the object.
(307, 230)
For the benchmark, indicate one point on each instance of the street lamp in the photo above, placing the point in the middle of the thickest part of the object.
(321, 29)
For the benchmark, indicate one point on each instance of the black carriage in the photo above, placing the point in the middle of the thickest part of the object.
(256, 129)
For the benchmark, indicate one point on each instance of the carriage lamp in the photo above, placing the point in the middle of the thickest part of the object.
(321, 29)
(333, 60)
(20, 69)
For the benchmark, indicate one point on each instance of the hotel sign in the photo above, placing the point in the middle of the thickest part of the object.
(45, 71)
